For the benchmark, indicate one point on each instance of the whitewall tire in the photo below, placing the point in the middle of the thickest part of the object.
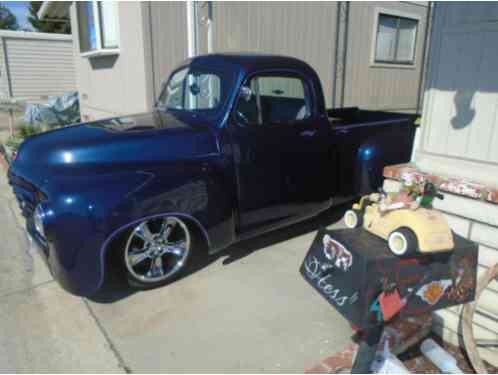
(352, 219)
(403, 242)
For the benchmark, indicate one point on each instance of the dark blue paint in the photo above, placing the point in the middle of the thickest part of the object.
(97, 179)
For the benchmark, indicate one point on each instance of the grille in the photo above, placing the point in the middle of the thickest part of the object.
(26, 193)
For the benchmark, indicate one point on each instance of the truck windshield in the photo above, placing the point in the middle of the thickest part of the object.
(192, 89)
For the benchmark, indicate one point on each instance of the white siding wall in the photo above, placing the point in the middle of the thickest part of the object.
(116, 84)
(38, 64)
(460, 126)
(460, 138)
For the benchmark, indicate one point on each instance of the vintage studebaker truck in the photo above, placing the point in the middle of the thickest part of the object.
(237, 145)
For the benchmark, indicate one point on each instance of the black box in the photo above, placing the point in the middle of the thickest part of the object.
(351, 267)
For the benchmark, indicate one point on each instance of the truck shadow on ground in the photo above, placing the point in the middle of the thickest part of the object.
(116, 288)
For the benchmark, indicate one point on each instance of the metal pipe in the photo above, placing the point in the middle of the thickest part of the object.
(337, 31)
(210, 40)
(423, 69)
(344, 57)
(191, 29)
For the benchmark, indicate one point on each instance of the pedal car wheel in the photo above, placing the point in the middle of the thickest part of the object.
(403, 242)
(353, 218)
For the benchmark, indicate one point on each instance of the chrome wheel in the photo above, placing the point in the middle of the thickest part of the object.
(157, 249)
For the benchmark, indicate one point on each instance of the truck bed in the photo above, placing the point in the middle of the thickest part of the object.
(364, 142)
(354, 116)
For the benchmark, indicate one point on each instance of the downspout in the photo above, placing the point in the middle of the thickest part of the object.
(423, 70)
(345, 52)
(210, 41)
(191, 29)
(336, 53)
(423, 77)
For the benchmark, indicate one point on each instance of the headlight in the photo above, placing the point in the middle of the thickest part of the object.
(38, 218)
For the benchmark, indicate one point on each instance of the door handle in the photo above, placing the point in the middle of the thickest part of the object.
(307, 133)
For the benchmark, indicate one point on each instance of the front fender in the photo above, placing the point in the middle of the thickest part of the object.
(86, 222)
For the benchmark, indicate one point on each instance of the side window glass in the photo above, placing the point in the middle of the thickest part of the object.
(275, 99)
(192, 90)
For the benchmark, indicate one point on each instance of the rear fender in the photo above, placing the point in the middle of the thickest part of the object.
(392, 145)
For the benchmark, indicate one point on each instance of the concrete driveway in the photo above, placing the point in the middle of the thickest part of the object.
(246, 310)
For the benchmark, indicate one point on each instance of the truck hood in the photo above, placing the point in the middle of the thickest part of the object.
(129, 141)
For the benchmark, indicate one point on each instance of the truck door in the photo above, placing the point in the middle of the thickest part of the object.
(280, 151)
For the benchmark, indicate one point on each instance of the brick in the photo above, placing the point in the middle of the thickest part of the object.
(451, 184)
(391, 186)
(341, 360)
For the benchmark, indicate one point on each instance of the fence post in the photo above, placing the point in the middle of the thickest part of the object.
(9, 83)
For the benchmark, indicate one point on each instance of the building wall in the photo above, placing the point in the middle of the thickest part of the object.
(460, 139)
(379, 86)
(117, 84)
(304, 30)
(154, 40)
(310, 31)
(460, 124)
(166, 25)
(36, 65)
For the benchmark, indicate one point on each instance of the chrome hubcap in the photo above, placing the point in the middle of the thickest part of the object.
(157, 249)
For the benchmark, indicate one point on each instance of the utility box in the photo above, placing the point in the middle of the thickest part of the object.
(350, 268)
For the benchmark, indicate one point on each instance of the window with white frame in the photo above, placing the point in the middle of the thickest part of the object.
(396, 39)
(98, 26)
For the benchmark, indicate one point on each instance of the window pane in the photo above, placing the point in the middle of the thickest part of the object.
(174, 90)
(109, 24)
(386, 38)
(281, 86)
(282, 99)
(192, 90)
(406, 39)
(86, 22)
(203, 91)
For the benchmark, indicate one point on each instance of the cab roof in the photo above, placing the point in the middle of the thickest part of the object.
(248, 61)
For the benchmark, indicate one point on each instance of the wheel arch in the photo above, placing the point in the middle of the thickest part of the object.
(115, 235)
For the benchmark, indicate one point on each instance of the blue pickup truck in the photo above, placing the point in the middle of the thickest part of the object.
(237, 145)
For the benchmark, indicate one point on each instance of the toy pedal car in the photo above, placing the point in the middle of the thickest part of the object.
(407, 230)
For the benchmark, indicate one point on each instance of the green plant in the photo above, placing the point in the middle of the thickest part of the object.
(23, 131)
